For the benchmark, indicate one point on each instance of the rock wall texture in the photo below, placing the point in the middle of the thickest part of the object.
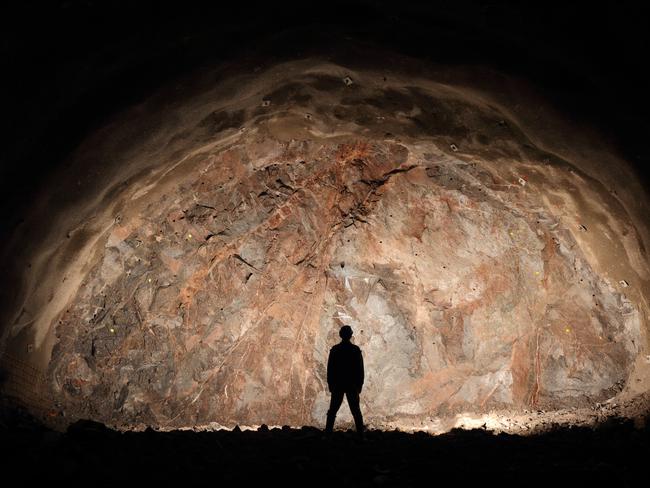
(479, 270)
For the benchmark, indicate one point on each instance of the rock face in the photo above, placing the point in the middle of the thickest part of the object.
(460, 253)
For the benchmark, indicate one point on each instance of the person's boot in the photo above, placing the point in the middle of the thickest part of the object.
(361, 434)
(358, 422)
(329, 427)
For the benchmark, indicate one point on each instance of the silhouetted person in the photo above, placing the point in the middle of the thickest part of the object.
(345, 377)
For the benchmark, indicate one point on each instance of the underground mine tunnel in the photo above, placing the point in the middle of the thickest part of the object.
(189, 251)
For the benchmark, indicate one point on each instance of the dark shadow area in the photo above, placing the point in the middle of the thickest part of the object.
(89, 453)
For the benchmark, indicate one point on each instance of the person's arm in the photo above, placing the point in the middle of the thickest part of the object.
(330, 370)
(361, 372)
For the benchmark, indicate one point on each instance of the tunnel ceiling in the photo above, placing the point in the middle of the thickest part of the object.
(212, 249)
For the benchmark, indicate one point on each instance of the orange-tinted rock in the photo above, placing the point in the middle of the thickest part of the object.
(208, 278)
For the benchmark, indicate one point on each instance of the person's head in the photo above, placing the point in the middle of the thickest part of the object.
(345, 333)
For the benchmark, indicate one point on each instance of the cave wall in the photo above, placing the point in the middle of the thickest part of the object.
(203, 249)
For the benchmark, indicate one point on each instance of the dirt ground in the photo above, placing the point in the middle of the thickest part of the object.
(610, 454)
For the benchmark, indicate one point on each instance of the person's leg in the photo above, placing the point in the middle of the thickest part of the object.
(353, 402)
(335, 404)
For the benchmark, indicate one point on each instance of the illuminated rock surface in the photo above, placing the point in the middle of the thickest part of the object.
(222, 246)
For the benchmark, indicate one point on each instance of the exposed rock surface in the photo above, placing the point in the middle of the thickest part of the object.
(479, 271)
